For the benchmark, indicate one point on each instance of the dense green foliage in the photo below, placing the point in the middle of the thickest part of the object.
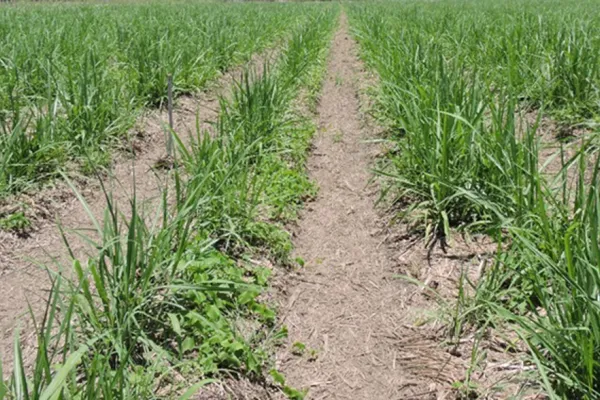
(73, 77)
(456, 82)
(453, 78)
(173, 298)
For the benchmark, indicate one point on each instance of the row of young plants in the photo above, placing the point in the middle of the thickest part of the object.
(171, 300)
(459, 82)
(74, 77)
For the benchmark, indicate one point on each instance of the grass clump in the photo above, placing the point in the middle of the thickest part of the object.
(174, 298)
(459, 84)
(454, 87)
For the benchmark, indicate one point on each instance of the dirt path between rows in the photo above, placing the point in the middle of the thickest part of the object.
(356, 330)
(24, 281)
(346, 303)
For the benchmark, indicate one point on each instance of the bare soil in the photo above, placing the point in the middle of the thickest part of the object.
(346, 305)
(24, 259)
(556, 138)
(356, 329)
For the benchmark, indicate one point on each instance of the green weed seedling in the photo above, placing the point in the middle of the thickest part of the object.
(338, 137)
(291, 393)
(298, 348)
(17, 223)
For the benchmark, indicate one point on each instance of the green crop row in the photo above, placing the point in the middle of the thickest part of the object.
(464, 87)
(171, 300)
(73, 77)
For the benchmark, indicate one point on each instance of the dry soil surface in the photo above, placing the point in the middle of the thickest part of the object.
(347, 302)
(357, 331)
